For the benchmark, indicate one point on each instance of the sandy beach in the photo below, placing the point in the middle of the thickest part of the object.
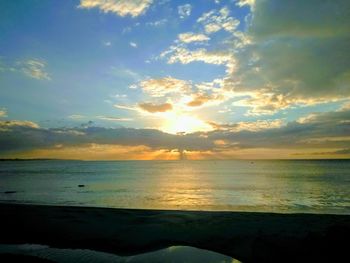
(248, 237)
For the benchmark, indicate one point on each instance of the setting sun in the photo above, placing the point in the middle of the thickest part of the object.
(177, 123)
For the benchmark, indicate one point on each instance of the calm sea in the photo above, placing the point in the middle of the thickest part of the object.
(269, 186)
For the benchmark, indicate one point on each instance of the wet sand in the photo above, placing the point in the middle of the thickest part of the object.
(248, 237)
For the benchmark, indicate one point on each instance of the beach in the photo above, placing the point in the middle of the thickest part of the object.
(246, 236)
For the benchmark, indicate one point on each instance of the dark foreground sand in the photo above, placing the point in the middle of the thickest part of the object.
(249, 237)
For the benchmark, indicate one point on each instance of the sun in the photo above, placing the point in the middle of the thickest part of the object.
(179, 123)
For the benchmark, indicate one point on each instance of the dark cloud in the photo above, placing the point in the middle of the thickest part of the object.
(301, 18)
(319, 130)
(24, 137)
(299, 53)
(331, 129)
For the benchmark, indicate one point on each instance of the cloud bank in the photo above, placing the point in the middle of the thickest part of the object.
(328, 132)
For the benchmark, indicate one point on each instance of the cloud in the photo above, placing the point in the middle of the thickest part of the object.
(201, 99)
(123, 107)
(216, 20)
(107, 43)
(153, 108)
(13, 124)
(3, 113)
(324, 131)
(185, 56)
(76, 116)
(297, 55)
(343, 151)
(163, 86)
(191, 37)
(119, 7)
(184, 10)
(95, 151)
(119, 96)
(345, 106)
(297, 18)
(249, 126)
(267, 103)
(337, 153)
(133, 44)
(106, 118)
(328, 130)
(241, 3)
(35, 68)
(157, 23)
(32, 138)
(125, 73)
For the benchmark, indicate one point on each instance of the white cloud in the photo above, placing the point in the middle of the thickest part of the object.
(125, 73)
(133, 86)
(133, 44)
(191, 37)
(123, 107)
(216, 20)
(212, 28)
(241, 3)
(107, 43)
(119, 96)
(185, 56)
(157, 23)
(184, 10)
(119, 7)
(35, 68)
(163, 86)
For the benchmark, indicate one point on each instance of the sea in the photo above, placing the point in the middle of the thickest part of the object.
(278, 186)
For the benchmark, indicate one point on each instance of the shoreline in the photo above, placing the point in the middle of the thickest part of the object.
(338, 212)
(246, 236)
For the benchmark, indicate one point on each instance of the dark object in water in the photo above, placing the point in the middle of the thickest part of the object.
(81, 185)
(10, 192)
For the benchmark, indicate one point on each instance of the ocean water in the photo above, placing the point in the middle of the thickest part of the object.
(307, 186)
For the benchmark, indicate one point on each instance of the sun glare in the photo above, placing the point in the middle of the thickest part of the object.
(175, 123)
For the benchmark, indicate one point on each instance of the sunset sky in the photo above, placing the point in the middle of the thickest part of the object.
(161, 79)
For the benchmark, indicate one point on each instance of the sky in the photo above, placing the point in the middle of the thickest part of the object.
(162, 79)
